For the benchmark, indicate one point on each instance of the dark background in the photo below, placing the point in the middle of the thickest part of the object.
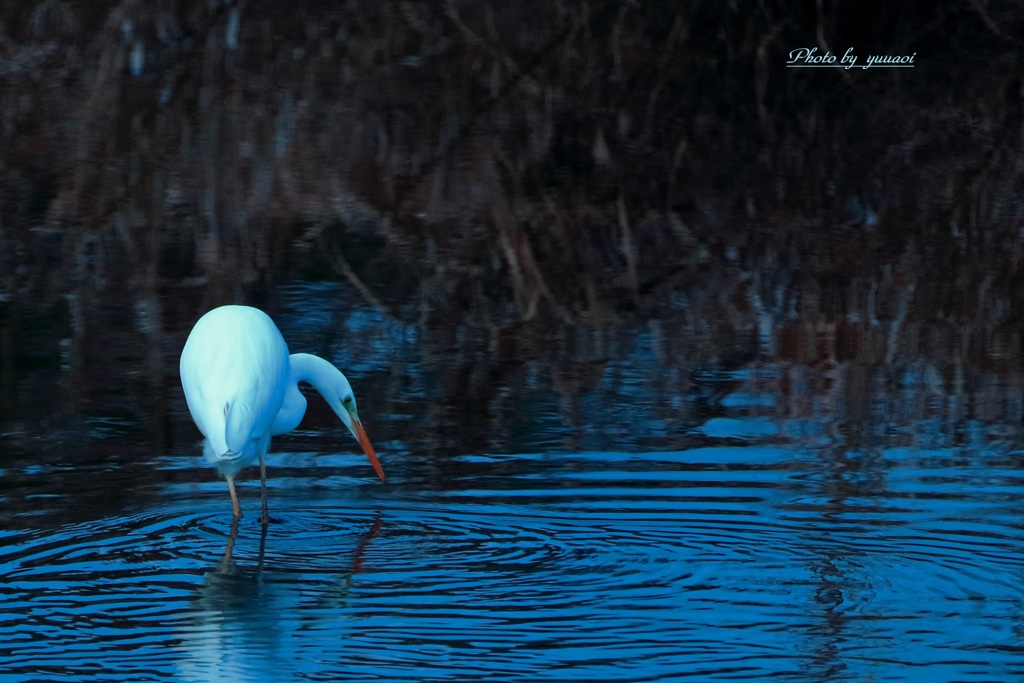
(533, 191)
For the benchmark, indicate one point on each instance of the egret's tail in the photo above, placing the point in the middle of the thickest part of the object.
(229, 463)
(226, 463)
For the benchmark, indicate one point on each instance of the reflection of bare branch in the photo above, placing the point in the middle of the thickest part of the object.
(452, 10)
(434, 123)
(341, 265)
(526, 298)
(628, 245)
(761, 71)
(906, 295)
(820, 26)
(986, 19)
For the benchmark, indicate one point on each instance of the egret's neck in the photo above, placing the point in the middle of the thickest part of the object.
(315, 370)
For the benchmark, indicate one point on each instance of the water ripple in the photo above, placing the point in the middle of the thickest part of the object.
(747, 563)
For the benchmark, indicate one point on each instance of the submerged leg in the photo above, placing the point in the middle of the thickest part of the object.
(265, 520)
(235, 507)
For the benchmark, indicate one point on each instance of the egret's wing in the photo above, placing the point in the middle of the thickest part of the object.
(234, 370)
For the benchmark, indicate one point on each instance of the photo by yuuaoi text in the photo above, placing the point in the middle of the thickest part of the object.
(809, 57)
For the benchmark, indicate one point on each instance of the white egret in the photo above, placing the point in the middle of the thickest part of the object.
(242, 387)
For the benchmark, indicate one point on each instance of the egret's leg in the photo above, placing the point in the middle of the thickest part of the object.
(263, 491)
(235, 507)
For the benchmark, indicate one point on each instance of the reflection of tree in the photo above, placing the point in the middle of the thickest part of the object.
(569, 161)
(563, 203)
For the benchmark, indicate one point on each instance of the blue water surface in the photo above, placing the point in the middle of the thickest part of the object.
(717, 523)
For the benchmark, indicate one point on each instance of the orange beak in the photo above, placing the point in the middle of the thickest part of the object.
(368, 449)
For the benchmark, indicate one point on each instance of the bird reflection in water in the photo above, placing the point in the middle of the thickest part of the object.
(242, 616)
(227, 565)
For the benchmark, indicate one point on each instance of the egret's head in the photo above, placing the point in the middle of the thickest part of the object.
(334, 387)
(344, 405)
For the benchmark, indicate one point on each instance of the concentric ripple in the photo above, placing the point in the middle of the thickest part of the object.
(742, 562)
